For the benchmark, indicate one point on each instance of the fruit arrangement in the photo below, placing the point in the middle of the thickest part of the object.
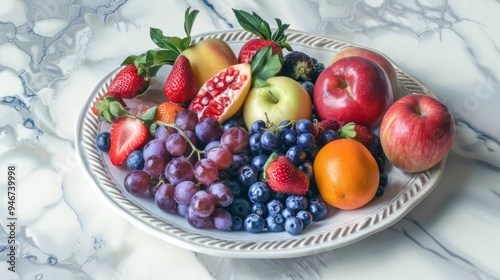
(268, 139)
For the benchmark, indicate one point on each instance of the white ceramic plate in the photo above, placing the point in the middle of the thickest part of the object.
(338, 229)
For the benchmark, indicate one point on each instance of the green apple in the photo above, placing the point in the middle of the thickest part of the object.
(281, 99)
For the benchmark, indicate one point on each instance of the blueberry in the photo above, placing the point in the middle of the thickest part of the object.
(259, 209)
(289, 138)
(275, 222)
(281, 196)
(296, 154)
(254, 223)
(287, 212)
(305, 140)
(304, 126)
(318, 208)
(259, 192)
(294, 225)
(248, 175)
(237, 223)
(269, 141)
(307, 167)
(259, 161)
(103, 142)
(239, 207)
(274, 206)
(254, 142)
(305, 216)
(309, 87)
(383, 180)
(235, 187)
(296, 202)
(238, 161)
(258, 126)
(135, 160)
(328, 136)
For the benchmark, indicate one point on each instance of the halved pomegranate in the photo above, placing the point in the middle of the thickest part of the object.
(224, 94)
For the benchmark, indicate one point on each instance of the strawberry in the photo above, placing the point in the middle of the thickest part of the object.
(322, 126)
(363, 135)
(180, 85)
(258, 26)
(128, 83)
(283, 176)
(127, 134)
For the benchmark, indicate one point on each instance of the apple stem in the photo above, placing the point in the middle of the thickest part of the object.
(272, 96)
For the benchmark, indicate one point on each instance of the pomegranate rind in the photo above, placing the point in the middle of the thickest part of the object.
(221, 96)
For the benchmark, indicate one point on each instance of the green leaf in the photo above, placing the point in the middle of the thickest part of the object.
(158, 38)
(176, 42)
(264, 66)
(153, 70)
(152, 128)
(139, 61)
(143, 72)
(185, 43)
(189, 18)
(150, 57)
(116, 109)
(272, 67)
(106, 115)
(258, 82)
(149, 116)
(259, 60)
(253, 23)
(163, 57)
(130, 59)
(165, 42)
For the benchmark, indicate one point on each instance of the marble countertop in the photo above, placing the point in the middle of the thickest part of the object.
(52, 54)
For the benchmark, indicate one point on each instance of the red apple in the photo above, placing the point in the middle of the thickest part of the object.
(379, 58)
(353, 89)
(416, 132)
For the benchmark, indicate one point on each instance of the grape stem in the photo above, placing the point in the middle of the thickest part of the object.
(184, 135)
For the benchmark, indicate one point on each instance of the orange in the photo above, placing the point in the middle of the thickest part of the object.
(346, 174)
(166, 112)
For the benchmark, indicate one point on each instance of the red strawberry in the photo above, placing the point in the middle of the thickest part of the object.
(128, 83)
(180, 85)
(283, 176)
(322, 126)
(127, 134)
(253, 46)
(258, 26)
(363, 135)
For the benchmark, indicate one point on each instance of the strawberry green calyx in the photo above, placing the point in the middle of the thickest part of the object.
(109, 109)
(258, 26)
(348, 131)
(270, 160)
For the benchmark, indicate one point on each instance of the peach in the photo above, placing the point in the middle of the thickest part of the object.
(208, 57)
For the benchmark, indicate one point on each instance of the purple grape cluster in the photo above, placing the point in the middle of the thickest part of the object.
(184, 167)
(210, 174)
